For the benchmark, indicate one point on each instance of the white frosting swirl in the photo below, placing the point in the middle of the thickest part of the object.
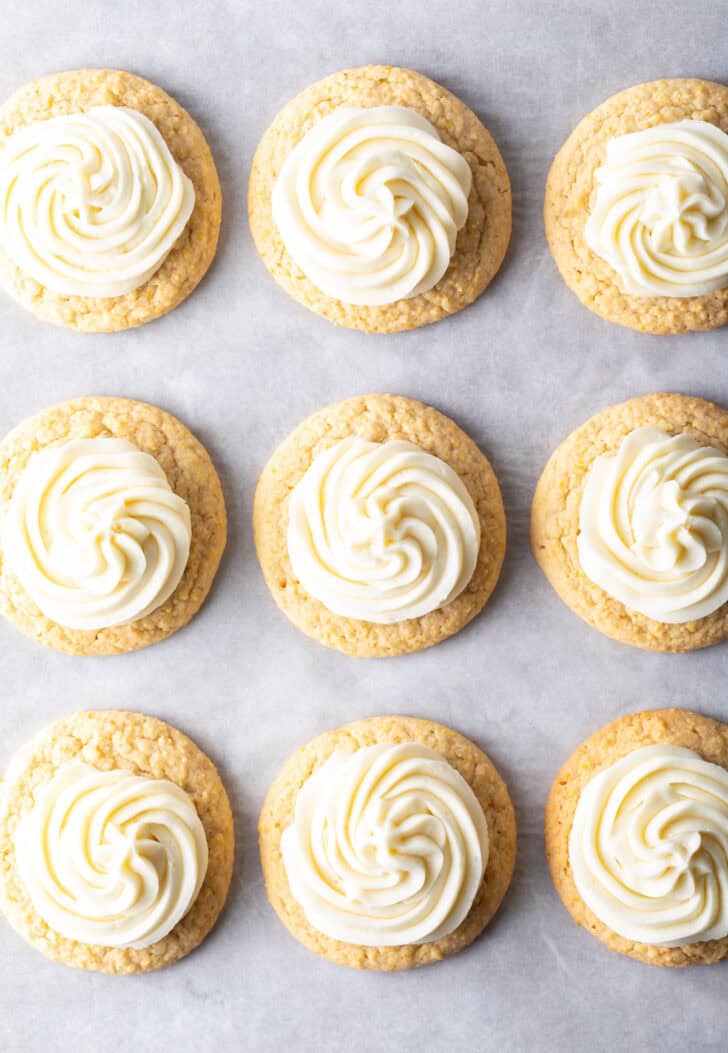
(649, 847)
(654, 526)
(91, 203)
(660, 215)
(95, 534)
(388, 846)
(369, 204)
(110, 858)
(382, 532)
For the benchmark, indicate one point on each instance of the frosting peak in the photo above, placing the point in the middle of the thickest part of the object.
(91, 203)
(369, 204)
(95, 534)
(388, 846)
(382, 532)
(654, 526)
(111, 858)
(660, 214)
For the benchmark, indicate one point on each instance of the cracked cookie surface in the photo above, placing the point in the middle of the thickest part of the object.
(143, 745)
(482, 242)
(191, 475)
(477, 770)
(557, 502)
(570, 192)
(674, 727)
(77, 91)
(376, 418)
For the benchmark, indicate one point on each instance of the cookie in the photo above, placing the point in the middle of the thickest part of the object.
(613, 744)
(642, 533)
(55, 287)
(643, 237)
(278, 814)
(142, 750)
(185, 507)
(470, 227)
(379, 536)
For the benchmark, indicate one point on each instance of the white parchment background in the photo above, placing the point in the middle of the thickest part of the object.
(241, 364)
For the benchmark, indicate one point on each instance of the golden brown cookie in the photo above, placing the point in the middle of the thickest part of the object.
(376, 418)
(477, 770)
(77, 91)
(570, 195)
(108, 739)
(191, 475)
(481, 243)
(674, 727)
(555, 517)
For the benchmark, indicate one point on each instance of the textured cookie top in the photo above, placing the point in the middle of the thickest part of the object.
(107, 740)
(376, 418)
(278, 814)
(482, 240)
(667, 727)
(557, 508)
(571, 195)
(190, 474)
(78, 92)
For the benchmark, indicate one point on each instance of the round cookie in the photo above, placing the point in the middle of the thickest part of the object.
(143, 745)
(191, 475)
(555, 517)
(674, 727)
(376, 418)
(78, 91)
(481, 243)
(477, 770)
(570, 191)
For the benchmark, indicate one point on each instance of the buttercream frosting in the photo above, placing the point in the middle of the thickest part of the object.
(382, 531)
(91, 203)
(649, 847)
(653, 526)
(660, 211)
(95, 533)
(111, 858)
(388, 846)
(369, 204)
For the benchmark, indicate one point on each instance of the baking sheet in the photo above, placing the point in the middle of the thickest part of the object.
(241, 364)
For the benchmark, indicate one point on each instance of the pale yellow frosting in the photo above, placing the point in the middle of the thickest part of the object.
(654, 526)
(95, 534)
(369, 204)
(91, 203)
(382, 532)
(388, 846)
(649, 847)
(111, 858)
(660, 213)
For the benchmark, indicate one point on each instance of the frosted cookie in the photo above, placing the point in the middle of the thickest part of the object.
(116, 843)
(112, 525)
(629, 522)
(637, 837)
(379, 526)
(378, 200)
(109, 200)
(388, 843)
(636, 207)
